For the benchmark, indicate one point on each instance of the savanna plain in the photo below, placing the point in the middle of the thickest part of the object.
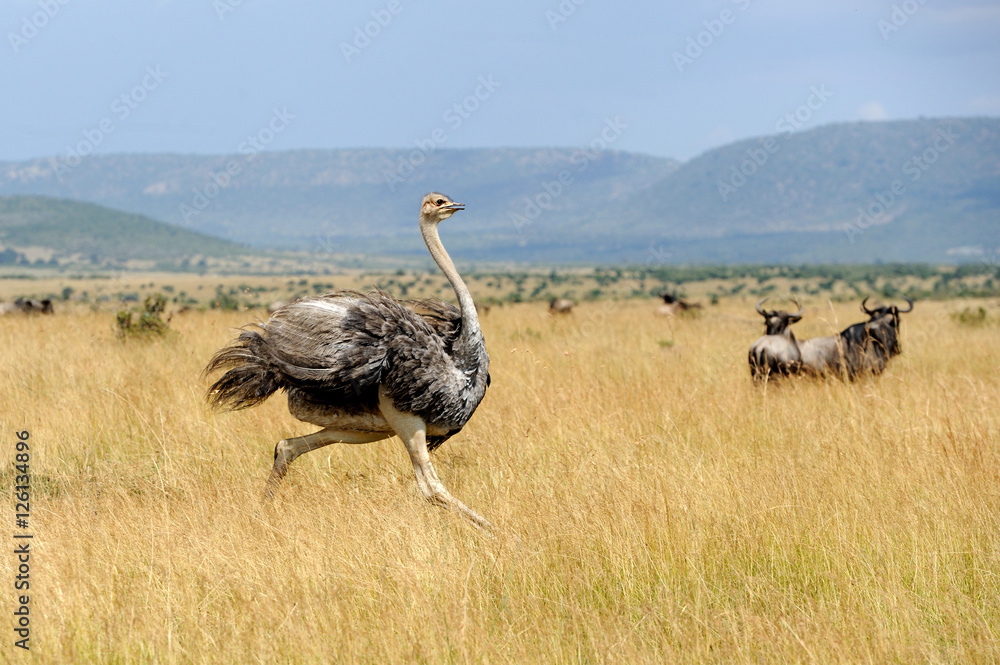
(650, 503)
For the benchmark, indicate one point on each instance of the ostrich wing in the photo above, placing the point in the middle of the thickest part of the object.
(339, 348)
(443, 317)
(331, 344)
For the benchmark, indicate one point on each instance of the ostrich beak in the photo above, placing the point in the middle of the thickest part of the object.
(454, 206)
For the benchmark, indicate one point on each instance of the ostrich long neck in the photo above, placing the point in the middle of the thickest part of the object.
(470, 320)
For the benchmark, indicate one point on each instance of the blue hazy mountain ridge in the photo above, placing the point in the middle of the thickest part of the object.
(921, 190)
(926, 190)
(359, 199)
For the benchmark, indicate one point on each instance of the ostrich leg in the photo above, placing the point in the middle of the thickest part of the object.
(287, 450)
(413, 431)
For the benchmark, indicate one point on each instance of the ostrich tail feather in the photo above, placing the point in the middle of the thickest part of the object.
(250, 377)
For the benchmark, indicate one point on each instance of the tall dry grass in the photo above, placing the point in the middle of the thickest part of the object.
(650, 504)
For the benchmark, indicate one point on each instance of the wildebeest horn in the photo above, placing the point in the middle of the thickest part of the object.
(759, 310)
(798, 313)
(865, 309)
(904, 311)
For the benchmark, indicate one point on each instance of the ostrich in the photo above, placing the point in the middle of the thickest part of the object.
(367, 366)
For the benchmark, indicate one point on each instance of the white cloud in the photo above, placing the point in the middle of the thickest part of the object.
(872, 111)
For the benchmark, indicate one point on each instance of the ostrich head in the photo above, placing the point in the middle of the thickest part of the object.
(438, 207)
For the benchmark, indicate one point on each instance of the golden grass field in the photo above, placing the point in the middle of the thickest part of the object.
(649, 503)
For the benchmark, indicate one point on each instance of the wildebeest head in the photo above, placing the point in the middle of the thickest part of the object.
(883, 324)
(886, 309)
(776, 322)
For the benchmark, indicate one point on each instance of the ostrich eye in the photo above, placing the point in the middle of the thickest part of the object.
(440, 202)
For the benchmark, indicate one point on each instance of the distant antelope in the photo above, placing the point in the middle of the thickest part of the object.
(672, 305)
(27, 306)
(561, 306)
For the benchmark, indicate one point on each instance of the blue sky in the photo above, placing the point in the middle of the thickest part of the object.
(201, 76)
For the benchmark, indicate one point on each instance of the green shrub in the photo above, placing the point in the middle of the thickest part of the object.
(150, 318)
(970, 317)
(224, 300)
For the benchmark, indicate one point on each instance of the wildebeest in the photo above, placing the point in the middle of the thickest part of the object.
(561, 306)
(673, 305)
(859, 349)
(777, 351)
(27, 306)
(862, 348)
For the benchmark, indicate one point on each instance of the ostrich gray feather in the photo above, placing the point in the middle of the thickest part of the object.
(337, 349)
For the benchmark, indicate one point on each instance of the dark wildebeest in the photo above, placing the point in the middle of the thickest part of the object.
(673, 305)
(561, 306)
(859, 349)
(777, 352)
(27, 306)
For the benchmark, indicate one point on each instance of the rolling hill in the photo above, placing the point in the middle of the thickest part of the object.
(59, 229)
(920, 190)
(926, 190)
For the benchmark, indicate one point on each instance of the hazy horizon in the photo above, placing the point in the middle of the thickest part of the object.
(197, 153)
